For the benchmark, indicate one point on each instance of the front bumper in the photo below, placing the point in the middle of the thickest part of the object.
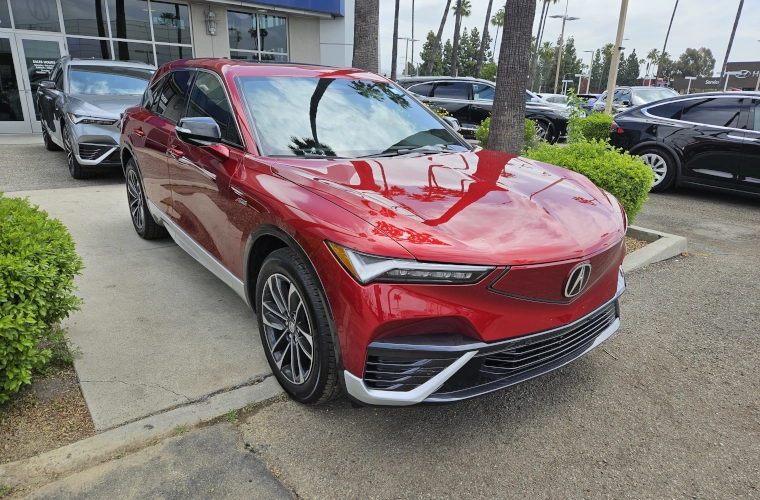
(96, 145)
(443, 368)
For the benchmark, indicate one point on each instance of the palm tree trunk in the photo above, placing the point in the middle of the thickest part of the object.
(731, 41)
(455, 49)
(437, 43)
(665, 45)
(394, 53)
(541, 27)
(496, 39)
(366, 22)
(483, 40)
(507, 124)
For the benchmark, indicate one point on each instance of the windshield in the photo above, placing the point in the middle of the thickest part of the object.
(655, 94)
(105, 80)
(338, 117)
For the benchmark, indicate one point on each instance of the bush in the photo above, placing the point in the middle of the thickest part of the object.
(37, 268)
(489, 72)
(627, 177)
(595, 126)
(529, 130)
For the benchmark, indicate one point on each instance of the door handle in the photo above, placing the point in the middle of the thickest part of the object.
(477, 107)
(139, 132)
(176, 153)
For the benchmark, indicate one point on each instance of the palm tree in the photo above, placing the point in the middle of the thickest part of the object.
(483, 41)
(366, 22)
(437, 42)
(457, 27)
(466, 9)
(508, 122)
(731, 40)
(665, 45)
(498, 21)
(539, 38)
(394, 53)
(653, 58)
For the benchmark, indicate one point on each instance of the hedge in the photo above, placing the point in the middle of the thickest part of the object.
(627, 177)
(595, 126)
(529, 131)
(37, 268)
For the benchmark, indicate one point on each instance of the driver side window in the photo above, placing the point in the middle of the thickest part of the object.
(482, 92)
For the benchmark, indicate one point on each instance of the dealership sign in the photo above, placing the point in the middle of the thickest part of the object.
(742, 75)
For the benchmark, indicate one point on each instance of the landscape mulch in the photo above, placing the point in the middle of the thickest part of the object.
(632, 244)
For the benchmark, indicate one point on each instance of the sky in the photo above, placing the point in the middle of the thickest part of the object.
(698, 23)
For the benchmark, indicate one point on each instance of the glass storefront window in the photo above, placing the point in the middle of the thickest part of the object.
(273, 57)
(10, 97)
(37, 15)
(5, 16)
(244, 56)
(171, 22)
(168, 53)
(131, 51)
(129, 19)
(85, 17)
(242, 31)
(274, 34)
(88, 48)
(257, 37)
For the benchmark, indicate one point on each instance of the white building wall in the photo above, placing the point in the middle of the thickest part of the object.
(304, 46)
(336, 38)
(205, 45)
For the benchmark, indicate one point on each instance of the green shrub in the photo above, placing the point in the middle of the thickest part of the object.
(37, 268)
(529, 130)
(627, 177)
(595, 126)
(489, 72)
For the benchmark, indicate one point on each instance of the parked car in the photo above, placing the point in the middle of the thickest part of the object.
(588, 101)
(626, 97)
(702, 140)
(374, 243)
(80, 106)
(470, 100)
(554, 98)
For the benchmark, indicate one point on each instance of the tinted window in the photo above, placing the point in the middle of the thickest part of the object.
(108, 80)
(351, 118)
(39, 16)
(671, 110)
(150, 97)
(129, 19)
(171, 101)
(85, 17)
(452, 90)
(422, 89)
(89, 48)
(132, 51)
(713, 111)
(209, 99)
(643, 96)
(756, 105)
(482, 92)
(171, 22)
(167, 53)
(57, 77)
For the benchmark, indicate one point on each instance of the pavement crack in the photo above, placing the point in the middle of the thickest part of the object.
(135, 384)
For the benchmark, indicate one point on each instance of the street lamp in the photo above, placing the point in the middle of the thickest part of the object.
(728, 74)
(580, 78)
(564, 85)
(690, 78)
(564, 18)
(406, 53)
(590, 65)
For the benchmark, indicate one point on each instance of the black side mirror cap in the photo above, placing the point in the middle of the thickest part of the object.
(198, 131)
(47, 84)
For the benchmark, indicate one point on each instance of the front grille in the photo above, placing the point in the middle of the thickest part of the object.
(391, 373)
(93, 151)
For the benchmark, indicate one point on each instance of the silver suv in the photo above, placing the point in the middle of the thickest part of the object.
(627, 97)
(81, 106)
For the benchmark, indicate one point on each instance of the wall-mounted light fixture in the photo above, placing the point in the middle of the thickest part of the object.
(211, 23)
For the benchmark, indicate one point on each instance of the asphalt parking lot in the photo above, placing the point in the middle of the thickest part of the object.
(669, 407)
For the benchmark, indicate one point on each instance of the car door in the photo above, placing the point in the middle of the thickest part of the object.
(46, 99)
(749, 176)
(482, 102)
(454, 97)
(165, 105)
(712, 153)
(200, 176)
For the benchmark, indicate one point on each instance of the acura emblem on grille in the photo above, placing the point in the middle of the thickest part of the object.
(577, 279)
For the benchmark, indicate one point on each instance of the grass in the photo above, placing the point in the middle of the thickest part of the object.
(180, 430)
(231, 416)
(5, 490)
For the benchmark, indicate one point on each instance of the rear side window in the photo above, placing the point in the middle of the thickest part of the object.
(171, 102)
(422, 89)
(670, 110)
(721, 112)
(482, 92)
(151, 94)
(209, 99)
(756, 107)
(452, 90)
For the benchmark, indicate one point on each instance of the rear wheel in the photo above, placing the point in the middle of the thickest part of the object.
(545, 131)
(294, 329)
(76, 170)
(49, 144)
(663, 168)
(145, 226)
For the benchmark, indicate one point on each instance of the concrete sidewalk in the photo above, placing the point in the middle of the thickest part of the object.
(156, 329)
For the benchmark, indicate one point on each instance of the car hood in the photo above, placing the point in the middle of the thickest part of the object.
(103, 106)
(475, 207)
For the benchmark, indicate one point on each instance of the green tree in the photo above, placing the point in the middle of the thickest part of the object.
(489, 71)
(628, 73)
(436, 45)
(498, 21)
(571, 64)
(595, 78)
(469, 46)
(695, 62)
(483, 41)
(434, 67)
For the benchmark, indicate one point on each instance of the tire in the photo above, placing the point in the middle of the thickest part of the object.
(545, 131)
(145, 226)
(76, 170)
(663, 166)
(49, 144)
(290, 308)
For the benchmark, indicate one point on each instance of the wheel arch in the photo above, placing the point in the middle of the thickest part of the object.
(658, 145)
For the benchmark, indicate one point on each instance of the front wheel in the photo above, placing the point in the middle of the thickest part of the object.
(142, 220)
(294, 329)
(49, 144)
(76, 170)
(663, 168)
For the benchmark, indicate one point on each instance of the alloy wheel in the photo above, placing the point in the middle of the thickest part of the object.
(542, 131)
(287, 329)
(658, 165)
(69, 149)
(135, 197)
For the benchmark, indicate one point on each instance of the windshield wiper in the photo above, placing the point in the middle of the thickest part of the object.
(423, 150)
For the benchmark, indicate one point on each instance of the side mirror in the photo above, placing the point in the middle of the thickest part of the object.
(198, 131)
(453, 123)
(47, 84)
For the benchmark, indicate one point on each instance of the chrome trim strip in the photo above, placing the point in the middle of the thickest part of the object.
(185, 161)
(356, 388)
(197, 252)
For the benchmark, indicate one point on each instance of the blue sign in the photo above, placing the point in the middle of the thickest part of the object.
(335, 7)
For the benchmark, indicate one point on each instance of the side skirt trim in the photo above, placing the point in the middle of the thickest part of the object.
(197, 252)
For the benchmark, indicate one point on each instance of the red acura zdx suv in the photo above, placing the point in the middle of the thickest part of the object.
(384, 255)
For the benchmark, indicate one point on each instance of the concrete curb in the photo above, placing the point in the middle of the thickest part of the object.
(32, 473)
(662, 246)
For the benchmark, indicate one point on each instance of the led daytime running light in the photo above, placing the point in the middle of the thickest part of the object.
(91, 120)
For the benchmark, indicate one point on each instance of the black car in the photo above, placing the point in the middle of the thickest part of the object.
(706, 140)
(470, 100)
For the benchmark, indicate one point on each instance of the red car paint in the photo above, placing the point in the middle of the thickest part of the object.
(476, 207)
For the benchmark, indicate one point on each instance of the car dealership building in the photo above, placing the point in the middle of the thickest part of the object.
(35, 33)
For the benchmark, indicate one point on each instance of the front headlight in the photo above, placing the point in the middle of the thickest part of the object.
(90, 120)
(367, 268)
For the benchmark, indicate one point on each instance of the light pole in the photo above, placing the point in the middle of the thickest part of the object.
(757, 85)
(406, 53)
(728, 74)
(690, 78)
(564, 85)
(616, 57)
(413, 38)
(580, 79)
(590, 65)
(564, 18)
